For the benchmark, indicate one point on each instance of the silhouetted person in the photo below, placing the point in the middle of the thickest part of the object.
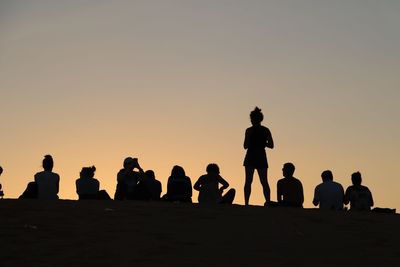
(209, 190)
(88, 187)
(179, 187)
(329, 194)
(153, 185)
(47, 181)
(359, 196)
(128, 179)
(290, 189)
(257, 138)
(1, 187)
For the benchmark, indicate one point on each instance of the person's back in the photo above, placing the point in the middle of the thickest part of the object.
(47, 184)
(290, 189)
(208, 189)
(180, 189)
(154, 186)
(330, 195)
(179, 186)
(87, 187)
(292, 192)
(359, 196)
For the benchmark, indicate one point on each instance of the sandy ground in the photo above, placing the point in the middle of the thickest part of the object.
(108, 233)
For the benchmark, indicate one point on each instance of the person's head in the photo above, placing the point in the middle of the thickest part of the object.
(356, 178)
(288, 169)
(212, 168)
(88, 172)
(256, 116)
(1, 170)
(48, 163)
(178, 171)
(327, 176)
(150, 174)
(130, 163)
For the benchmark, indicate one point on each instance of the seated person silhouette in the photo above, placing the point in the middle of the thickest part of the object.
(290, 189)
(154, 186)
(209, 190)
(1, 191)
(329, 194)
(128, 179)
(359, 196)
(179, 187)
(87, 187)
(47, 181)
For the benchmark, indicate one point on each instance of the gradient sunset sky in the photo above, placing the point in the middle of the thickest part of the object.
(173, 83)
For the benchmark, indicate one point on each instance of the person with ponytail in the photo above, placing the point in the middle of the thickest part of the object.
(257, 138)
(47, 181)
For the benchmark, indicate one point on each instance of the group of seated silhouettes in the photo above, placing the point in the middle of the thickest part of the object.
(133, 183)
(329, 195)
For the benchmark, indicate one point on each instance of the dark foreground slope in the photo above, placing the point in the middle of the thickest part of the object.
(97, 233)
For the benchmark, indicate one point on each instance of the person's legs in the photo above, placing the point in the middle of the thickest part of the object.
(263, 174)
(247, 185)
(229, 196)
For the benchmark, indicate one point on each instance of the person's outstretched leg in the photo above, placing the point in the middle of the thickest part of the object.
(263, 174)
(229, 196)
(247, 185)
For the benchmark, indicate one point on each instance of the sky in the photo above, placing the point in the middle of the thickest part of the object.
(173, 82)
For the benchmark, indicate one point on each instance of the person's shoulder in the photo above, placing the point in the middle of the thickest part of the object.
(281, 181)
(319, 186)
(364, 188)
(297, 180)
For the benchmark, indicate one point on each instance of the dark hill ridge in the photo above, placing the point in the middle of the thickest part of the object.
(108, 233)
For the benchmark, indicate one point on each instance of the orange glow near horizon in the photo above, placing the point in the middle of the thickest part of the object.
(173, 84)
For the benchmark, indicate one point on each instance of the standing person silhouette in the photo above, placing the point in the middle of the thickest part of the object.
(47, 181)
(257, 138)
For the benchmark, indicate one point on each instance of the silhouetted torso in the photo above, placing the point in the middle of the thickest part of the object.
(291, 191)
(87, 188)
(47, 184)
(155, 188)
(330, 195)
(127, 182)
(179, 188)
(256, 139)
(209, 188)
(359, 196)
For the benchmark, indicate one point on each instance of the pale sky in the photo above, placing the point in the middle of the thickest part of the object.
(173, 82)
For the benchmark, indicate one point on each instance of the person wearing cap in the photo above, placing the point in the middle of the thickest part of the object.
(128, 179)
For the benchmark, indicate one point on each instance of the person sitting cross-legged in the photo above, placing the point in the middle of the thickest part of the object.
(209, 190)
